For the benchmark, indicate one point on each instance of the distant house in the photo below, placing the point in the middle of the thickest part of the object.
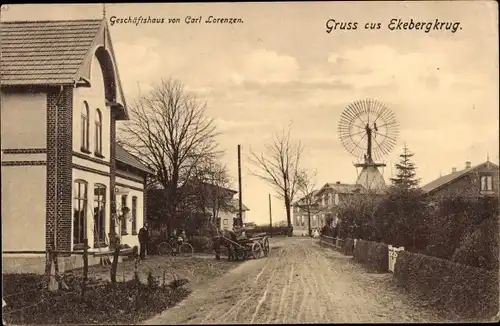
(479, 180)
(64, 179)
(218, 203)
(325, 201)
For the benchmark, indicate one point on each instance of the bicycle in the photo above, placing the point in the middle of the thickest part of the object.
(173, 248)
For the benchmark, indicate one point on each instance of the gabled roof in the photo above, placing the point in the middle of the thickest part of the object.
(449, 178)
(344, 188)
(45, 52)
(58, 52)
(123, 156)
(236, 204)
(311, 195)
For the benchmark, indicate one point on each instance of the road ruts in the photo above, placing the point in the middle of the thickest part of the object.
(299, 282)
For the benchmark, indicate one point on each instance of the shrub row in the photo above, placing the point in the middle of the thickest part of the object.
(459, 290)
(276, 230)
(373, 255)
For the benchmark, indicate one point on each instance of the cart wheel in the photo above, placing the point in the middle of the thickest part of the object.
(164, 248)
(240, 254)
(186, 250)
(265, 246)
(257, 250)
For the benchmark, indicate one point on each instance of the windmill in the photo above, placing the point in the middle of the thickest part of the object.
(368, 130)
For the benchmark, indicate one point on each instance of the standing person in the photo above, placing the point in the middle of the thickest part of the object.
(143, 240)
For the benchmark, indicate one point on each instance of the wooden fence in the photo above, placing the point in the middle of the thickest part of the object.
(339, 243)
(54, 276)
(332, 242)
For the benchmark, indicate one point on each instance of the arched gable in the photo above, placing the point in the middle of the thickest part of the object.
(102, 49)
(108, 73)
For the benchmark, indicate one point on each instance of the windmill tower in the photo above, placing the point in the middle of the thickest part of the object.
(368, 130)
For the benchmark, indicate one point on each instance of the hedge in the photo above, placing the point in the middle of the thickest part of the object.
(373, 255)
(277, 230)
(348, 247)
(455, 289)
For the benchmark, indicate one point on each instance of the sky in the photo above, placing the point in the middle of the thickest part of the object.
(281, 67)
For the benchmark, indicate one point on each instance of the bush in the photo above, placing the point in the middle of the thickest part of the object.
(348, 247)
(454, 221)
(480, 247)
(455, 289)
(201, 244)
(373, 255)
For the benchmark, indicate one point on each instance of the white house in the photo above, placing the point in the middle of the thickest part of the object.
(63, 176)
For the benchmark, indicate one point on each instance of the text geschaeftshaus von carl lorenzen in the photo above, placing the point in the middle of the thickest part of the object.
(395, 24)
(157, 20)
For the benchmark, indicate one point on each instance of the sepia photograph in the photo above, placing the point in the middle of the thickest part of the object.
(250, 162)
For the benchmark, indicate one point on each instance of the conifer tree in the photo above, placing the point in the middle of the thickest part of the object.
(406, 171)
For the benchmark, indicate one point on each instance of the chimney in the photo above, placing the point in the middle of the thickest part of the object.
(453, 170)
(338, 182)
(467, 165)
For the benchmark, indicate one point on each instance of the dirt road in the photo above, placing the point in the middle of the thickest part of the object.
(299, 282)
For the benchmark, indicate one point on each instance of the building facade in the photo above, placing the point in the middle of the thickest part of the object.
(476, 181)
(323, 203)
(63, 176)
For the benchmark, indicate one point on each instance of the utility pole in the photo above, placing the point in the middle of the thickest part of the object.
(270, 217)
(240, 208)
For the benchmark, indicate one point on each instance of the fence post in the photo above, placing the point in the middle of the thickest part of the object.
(217, 247)
(114, 264)
(50, 271)
(85, 266)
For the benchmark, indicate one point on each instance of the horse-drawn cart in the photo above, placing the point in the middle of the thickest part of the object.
(245, 248)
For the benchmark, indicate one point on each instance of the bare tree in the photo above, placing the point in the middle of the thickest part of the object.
(306, 186)
(278, 165)
(171, 134)
(208, 191)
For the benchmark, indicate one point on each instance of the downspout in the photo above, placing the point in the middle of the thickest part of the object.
(56, 197)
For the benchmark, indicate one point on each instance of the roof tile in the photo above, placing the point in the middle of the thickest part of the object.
(44, 52)
(122, 155)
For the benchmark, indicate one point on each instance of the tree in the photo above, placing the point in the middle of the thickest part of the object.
(406, 171)
(306, 186)
(170, 133)
(278, 165)
(208, 191)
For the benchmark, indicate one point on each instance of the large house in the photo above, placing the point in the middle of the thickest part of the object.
(323, 202)
(64, 178)
(478, 180)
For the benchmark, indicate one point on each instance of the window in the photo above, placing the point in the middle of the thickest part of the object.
(486, 183)
(79, 213)
(134, 215)
(98, 133)
(99, 215)
(123, 220)
(85, 128)
(225, 221)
